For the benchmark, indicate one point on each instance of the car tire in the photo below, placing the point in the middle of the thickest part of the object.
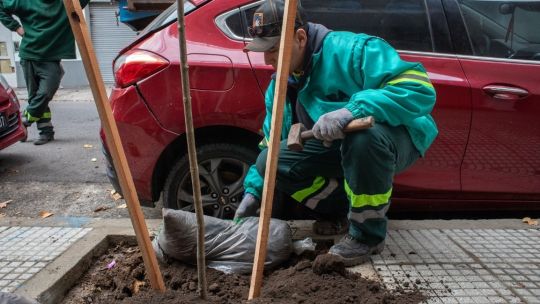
(222, 169)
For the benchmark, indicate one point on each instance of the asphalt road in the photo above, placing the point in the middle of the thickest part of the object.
(65, 177)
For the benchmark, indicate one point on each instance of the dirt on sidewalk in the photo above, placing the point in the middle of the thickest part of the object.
(124, 281)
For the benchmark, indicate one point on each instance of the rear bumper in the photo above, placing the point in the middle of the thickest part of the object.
(111, 172)
(143, 140)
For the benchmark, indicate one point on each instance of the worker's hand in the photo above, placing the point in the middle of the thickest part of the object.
(20, 31)
(330, 126)
(248, 207)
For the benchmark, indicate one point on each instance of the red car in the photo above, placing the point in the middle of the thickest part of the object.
(11, 127)
(483, 58)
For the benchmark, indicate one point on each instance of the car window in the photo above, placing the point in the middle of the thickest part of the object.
(230, 23)
(504, 29)
(403, 23)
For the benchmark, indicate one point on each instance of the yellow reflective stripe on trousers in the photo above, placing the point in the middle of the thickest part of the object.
(30, 117)
(363, 200)
(318, 183)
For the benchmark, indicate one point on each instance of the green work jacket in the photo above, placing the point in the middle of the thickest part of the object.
(48, 35)
(365, 75)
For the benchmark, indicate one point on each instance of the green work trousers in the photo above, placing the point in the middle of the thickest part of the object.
(354, 176)
(42, 81)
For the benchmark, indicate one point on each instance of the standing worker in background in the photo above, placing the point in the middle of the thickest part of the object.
(46, 39)
(335, 78)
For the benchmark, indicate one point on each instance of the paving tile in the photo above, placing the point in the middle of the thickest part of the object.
(30, 249)
(532, 300)
(498, 266)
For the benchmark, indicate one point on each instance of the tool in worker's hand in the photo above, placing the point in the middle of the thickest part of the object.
(298, 133)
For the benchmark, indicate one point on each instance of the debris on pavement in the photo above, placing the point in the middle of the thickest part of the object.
(530, 221)
(94, 159)
(45, 214)
(2, 215)
(123, 206)
(4, 204)
(87, 146)
(115, 195)
(101, 208)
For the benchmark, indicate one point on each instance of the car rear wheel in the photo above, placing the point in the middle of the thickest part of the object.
(222, 169)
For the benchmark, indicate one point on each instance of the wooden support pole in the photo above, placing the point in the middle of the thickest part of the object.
(284, 59)
(80, 31)
(192, 152)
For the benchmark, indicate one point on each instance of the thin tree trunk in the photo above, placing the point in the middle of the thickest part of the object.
(194, 169)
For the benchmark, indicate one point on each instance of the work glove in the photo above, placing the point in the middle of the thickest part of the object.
(330, 126)
(247, 207)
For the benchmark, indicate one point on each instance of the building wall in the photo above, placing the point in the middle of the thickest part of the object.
(8, 70)
(74, 74)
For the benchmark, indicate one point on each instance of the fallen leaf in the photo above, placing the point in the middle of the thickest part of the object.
(530, 221)
(44, 214)
(137, 286)
(101, 208)
(87, 146)
(4, 204)
(94, 159)
(123, 206)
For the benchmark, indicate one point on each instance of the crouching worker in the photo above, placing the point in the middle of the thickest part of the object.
(335, 78)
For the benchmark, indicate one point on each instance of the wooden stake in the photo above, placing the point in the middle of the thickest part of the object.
(184, 74)
(284, 59)
(80, 31)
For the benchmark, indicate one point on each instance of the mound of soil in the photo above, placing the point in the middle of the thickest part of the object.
(124, 281)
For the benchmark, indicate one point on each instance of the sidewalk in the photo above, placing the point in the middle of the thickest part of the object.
(72, 94)
(458, 261)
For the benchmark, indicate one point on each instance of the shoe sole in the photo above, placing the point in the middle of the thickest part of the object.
(39, 143)
(348, 262)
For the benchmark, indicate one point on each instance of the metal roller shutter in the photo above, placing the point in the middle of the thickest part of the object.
(108, 37)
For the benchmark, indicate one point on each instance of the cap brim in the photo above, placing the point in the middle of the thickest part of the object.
(261, 44)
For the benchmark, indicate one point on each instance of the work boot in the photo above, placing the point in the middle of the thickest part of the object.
(331, 226)
(353, 252)
(43, 139)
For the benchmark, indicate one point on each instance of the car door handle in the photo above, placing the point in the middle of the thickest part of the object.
(505, 92)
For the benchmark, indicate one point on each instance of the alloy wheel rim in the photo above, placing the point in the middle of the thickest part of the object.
(221, 181)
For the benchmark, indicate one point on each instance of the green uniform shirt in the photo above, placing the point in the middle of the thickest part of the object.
(48, 35)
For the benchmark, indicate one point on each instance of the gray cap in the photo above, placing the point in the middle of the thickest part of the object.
(266, 26)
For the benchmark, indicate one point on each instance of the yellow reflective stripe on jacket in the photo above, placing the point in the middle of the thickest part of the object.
(412, 76)
(46, 115)
(363, 200)
(318, 183)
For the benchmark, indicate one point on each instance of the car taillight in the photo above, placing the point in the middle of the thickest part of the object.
(136, 65)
